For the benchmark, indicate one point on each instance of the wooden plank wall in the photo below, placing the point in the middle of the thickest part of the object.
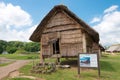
(71, 49)
(89, 42)
(67, 30)
(46, 49)
(95, 48)
(72, 36)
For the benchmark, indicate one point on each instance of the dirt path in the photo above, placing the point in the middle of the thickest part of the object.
(5, 60)
(4, 71)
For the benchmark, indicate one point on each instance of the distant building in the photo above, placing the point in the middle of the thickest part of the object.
(114, 48)
(4, 52)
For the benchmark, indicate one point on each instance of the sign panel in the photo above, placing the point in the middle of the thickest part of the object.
(88, 60)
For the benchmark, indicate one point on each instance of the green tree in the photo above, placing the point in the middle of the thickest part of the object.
(32, 47)
(3, 45)
(11, 50)
(13, 46)
(1, 49)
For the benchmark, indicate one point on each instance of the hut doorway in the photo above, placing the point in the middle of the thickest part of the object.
(56, 49)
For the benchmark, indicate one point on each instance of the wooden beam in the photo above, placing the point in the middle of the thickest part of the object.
(41, 53)
(62, 30)
(99, 52)
(84, 43)
(61, 25)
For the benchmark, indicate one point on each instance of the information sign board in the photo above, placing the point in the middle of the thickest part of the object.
(88, 60)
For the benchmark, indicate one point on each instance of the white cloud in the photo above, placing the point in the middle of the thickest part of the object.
(95, 19)
(13, 15)
(14, 23)
(109, 27)
(13, 35)
(110, 9)
(27, 33)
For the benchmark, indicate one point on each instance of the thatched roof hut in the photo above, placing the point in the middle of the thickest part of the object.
(114, 48)
(62, 32)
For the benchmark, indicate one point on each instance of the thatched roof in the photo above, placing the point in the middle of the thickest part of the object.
(36, 36)
(101, 47)
(114, 48)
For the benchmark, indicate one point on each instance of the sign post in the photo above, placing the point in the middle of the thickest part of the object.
(88, 60)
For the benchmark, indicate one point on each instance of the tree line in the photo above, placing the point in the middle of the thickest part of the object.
(14, 46)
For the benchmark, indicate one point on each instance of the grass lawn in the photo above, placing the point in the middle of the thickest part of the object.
(109, 71)
(21, 56)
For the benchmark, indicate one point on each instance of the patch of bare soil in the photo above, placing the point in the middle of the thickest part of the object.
(5, 70)
(16, 73)
(5, 60)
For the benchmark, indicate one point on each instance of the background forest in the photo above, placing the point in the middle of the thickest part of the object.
(18, 47)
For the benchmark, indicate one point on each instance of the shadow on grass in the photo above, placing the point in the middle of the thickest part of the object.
(104, 56)
(70, 62)
(106, 66)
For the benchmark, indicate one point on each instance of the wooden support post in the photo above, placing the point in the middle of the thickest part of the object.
(41, 55)
(100, 53)
(84, 43)
(78, 65)
(58, 60)
(98, 64)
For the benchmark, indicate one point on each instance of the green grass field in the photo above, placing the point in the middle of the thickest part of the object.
(109, 71)
(21, 56)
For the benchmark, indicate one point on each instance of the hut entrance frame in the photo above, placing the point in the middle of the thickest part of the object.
(56, 48)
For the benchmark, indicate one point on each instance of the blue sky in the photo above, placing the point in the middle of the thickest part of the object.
(84, 9)
(19, 18)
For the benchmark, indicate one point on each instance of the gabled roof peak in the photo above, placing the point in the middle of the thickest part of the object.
(60, 5)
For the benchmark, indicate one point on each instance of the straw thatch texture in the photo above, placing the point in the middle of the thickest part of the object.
(39, 30)
(114, 48)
